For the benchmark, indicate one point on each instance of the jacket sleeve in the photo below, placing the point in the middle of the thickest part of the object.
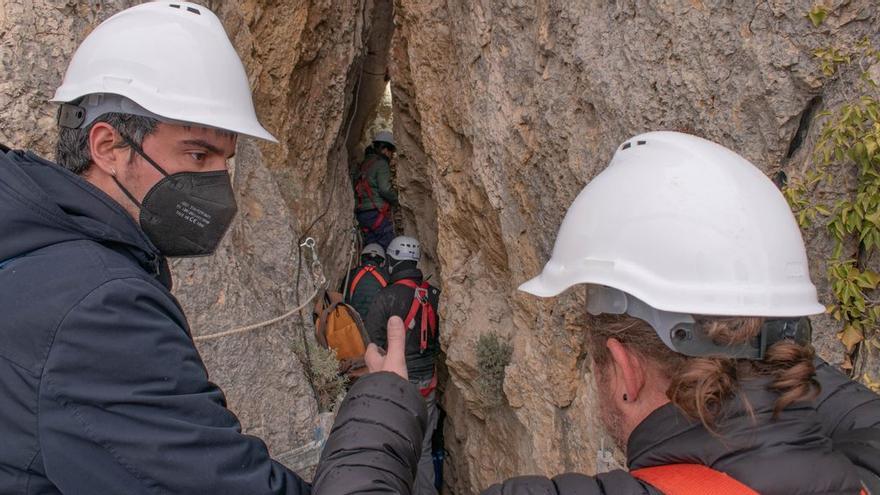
(377, 321)
(126, 406)
(850, 415)
(383, 181)
(376, 441)
(616, 482)
(844, 404)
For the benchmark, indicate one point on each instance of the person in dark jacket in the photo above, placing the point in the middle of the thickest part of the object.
(365, 281)
(737, 401)
(103, 390)
(411, 298)
(374, 193)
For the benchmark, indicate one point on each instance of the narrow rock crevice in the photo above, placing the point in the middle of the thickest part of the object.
(803, 129)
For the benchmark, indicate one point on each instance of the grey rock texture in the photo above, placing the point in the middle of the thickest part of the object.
(37, 38)
(508, 108)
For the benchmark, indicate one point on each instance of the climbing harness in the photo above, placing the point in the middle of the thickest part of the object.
(426, 390)
(363, 190)
(420, 304)
(367, 269)
(318, 279)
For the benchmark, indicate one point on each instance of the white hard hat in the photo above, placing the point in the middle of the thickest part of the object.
(373, 249)
(686, 226)
(173, 59)
(384, 137)
(404, 248)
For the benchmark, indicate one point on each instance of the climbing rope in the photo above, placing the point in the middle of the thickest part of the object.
(317, 277)
(354, 247)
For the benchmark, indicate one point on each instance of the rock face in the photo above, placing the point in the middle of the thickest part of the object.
(502, 110)
(303, 59)
(506, 109)
(37, 38)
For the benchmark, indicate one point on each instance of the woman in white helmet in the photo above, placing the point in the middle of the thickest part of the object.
(698, 293)
(102, 390)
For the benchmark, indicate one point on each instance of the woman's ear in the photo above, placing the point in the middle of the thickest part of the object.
(630, 367)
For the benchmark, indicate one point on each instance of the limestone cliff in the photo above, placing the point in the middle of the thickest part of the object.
(508, 108)
(502, 110)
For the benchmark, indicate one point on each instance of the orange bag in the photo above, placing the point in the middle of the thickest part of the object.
(339, 327)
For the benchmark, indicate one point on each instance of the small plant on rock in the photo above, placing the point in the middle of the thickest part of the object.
(322, 370)
(493, 355)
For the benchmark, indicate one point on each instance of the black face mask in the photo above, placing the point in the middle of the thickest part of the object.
(187, 213)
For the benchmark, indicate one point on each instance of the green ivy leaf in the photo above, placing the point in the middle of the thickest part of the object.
(817, 15)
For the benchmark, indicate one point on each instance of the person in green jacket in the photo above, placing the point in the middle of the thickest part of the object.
(374, 193)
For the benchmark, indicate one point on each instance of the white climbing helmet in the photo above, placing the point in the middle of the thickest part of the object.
(171, 58)
(373, 249)
(686, 226)
(404, 248)
(384, 137)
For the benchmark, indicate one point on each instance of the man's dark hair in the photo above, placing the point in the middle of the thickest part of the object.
(382, 145)
(72, 151)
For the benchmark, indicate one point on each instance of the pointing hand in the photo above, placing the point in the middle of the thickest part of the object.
(395, 359)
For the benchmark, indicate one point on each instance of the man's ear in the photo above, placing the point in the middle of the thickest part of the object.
(104, 148)
(629, 366)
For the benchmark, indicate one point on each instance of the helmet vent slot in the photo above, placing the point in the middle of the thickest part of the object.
(193, 10)
(639, 143)
(626, 146)
(174, 6)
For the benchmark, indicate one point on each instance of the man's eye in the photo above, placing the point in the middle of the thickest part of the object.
(199, 157)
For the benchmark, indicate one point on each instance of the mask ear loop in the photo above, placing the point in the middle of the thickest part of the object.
(140, 151)
(137, 149)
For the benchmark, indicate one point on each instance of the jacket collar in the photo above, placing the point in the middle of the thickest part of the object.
(47, 204)
(750, 445)
(410, 273)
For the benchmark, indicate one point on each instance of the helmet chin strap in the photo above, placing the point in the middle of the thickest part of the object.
(681, 333)
(392, 264)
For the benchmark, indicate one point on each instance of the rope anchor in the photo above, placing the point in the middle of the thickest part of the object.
(317, 269)
(317, 277)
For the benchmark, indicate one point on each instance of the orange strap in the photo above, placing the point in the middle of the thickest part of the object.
(420, 301)
(691, 479)
(362, 187)
(365, 270)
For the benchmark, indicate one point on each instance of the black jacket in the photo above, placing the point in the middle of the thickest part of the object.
(396, 300)
(366, 290)
(809, 449)
(375, 443)
(101, 388)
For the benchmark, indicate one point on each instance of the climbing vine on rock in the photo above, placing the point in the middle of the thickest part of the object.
(848, 151)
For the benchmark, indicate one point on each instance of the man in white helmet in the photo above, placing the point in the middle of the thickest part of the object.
(102, 388)
(410, 297)
(374, 193)
(698, 293)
